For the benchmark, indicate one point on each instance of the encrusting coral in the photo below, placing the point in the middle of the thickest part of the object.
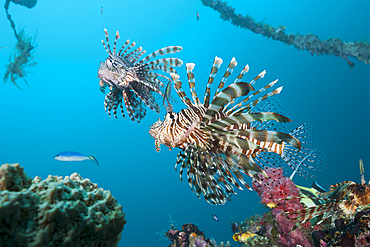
(189, 236)
(57, 211)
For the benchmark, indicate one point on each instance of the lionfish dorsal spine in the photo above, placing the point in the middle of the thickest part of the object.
(178, 87)
(221, 99)
(228, 72)
(115, 43)
(125, 52)
(242, 73)
(123, 47)
(216, 65)
(107, 48)
(261, 75)
(132, 55)
(191, 80)
(137, 56)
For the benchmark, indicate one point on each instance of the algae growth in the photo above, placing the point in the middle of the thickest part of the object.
(21, 58)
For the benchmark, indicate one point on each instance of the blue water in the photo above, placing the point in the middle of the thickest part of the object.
(63, 109)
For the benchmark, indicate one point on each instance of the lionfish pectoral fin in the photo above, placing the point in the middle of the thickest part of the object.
(251, 168)
(157, 145)
(247, 118)
(231, 92)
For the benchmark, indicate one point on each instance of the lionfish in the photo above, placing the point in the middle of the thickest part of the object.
(343, 199)
(134, 81)
(219, 137)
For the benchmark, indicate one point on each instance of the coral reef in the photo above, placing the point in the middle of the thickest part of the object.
(189, 236)
(312, 43)
(274, 228)
(222, 244)
(57, 211)
(346, 232)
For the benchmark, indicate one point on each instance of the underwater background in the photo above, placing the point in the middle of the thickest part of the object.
(63, 108)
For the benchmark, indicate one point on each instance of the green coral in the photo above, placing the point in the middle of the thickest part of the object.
(57, 211)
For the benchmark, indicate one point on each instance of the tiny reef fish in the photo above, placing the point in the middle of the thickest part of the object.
(215, 217)
(271, 205)
(74, 156)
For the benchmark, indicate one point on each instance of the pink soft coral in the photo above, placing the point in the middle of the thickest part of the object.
(277, 187)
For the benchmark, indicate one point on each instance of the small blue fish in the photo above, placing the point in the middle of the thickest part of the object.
(74, 156)
(215, 217)
(101, 11)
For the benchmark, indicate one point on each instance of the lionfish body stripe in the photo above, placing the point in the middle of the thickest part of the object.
(133, 82)
(217, 145)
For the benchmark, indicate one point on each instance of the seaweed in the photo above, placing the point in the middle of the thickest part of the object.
(21, 58)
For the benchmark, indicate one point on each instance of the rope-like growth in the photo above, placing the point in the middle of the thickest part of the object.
(312, 43)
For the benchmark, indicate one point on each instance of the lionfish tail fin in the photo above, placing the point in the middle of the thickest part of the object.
(308, 157)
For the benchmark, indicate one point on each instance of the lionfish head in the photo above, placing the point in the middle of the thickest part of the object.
(162, 131)
(107, 76)
(359, 194)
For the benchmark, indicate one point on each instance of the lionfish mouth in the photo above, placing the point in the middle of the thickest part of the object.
(153, 133)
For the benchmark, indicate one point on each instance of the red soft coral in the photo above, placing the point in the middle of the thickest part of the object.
(277, 187)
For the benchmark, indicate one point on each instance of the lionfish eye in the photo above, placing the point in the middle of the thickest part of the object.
(172, 116)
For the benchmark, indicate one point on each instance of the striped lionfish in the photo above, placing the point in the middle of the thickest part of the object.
(343, 199)
(132, 80)
(219, 138)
